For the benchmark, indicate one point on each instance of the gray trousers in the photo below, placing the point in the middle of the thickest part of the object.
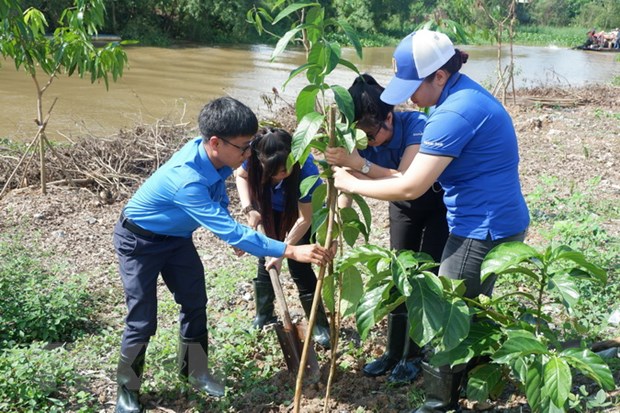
(462, 259)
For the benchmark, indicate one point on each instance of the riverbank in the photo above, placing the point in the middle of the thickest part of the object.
(570, 174)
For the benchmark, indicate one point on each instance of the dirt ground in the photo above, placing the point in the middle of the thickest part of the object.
(573, 133)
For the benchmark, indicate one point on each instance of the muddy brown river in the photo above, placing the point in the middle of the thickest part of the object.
(174, 83)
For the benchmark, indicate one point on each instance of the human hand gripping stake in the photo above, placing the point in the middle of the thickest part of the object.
(341, 157)
(343, 180)
(312, 253)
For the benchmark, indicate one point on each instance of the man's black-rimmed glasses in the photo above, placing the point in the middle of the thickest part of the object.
(243, 149)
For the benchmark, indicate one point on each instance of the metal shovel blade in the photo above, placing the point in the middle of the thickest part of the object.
(289, 335)
(291, 343)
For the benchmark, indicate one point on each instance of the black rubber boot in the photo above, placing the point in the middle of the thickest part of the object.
(193, 358)
(408, 368)
(396, 337)
(442, 386)
(263, 298)
(320, 332)
(128, 377)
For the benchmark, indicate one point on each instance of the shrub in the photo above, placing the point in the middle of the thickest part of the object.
(36, 303)
(33, 379)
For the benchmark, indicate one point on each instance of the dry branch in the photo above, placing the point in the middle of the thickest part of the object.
(116, 164)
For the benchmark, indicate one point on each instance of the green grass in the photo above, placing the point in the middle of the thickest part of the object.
(563, 213)
(547, 36)
(250, 362)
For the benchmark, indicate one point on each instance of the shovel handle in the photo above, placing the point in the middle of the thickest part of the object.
(277, 288)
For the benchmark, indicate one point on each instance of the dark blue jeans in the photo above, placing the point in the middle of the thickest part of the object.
(462, 259)
(141, 260)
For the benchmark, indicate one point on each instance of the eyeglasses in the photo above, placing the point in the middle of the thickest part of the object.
(243, 149)
(372, 136)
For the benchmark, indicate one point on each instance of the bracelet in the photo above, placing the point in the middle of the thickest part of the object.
(247, 210)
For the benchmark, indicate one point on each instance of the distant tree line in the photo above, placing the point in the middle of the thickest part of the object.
(223, 21)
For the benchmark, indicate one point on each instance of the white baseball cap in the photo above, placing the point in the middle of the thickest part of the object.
(418, 55)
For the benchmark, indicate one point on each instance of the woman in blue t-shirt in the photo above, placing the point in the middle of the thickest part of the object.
(470, 146)
(416, 225)
(270, 195)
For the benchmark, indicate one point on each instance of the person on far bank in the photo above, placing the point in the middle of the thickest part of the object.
(153, 236)
(470, 146)
(270, 195)
(416, 225)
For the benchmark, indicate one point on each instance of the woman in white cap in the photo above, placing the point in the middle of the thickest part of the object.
(469, 145)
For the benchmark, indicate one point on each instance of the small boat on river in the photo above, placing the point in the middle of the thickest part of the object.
(597, 49)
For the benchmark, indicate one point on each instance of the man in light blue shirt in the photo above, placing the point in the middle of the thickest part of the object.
(154, 236)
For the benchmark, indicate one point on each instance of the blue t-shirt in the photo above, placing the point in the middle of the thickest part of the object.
(482, 189)
(407, 130)
(278, 191)
(188, 192)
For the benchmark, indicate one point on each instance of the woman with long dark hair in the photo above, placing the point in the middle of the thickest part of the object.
(270, 195)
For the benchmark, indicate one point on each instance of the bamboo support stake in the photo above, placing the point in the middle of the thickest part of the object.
(331, 202)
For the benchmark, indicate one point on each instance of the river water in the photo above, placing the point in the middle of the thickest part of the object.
(174, 83)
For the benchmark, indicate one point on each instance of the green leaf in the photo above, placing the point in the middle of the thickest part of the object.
(283, 42)
(425, 308)
(329, 287)
(504, 256)
(520, 343)
(519, 368)
(364, 209)
(590, 364)
(306, 101)
(483, 338)
(318, 197)
(365, 312)
(305, 133)
(534, 383)
(482, 380)
(319, 217)
(566, 253)
(349, 65)
(345, 137)
(332, 57)
(566, 288)
(296, 72)
(292, 8)
(344, 101)
(306, 184)
(367, 254)
(351, 231)
(352, 291)
(314, 17)
(558, 380)
(351, 34)
(348, 214)
(456, 323)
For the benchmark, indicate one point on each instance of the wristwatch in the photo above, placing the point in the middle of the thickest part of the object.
(366, 168)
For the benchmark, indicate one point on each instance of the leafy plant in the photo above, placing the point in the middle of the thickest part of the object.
(69, 49)
(517, 334)
(514, 332)
(322, 124)
(37, 305)
(35, 379)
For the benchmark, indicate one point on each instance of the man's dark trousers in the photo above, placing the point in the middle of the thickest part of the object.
(141, 260)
